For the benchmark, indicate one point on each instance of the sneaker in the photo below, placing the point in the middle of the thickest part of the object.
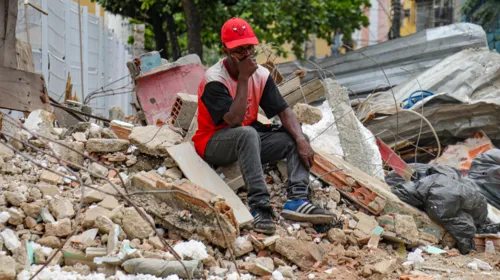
(303, 211)
(263, 219)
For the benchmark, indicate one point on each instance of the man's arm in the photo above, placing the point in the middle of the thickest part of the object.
(292, 126)
(236, 114)
(273, 104)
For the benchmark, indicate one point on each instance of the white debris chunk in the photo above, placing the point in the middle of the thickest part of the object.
(192, 249)
(477, 264)
(4, 217)
(10, 239)
(278, 275)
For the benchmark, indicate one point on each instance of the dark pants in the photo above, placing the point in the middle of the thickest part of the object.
(250, 149)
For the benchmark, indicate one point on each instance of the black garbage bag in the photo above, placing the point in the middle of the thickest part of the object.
(453, 202)
(485, 171)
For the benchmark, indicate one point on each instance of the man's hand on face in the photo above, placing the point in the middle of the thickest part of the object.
(306, 153)
(247, 67)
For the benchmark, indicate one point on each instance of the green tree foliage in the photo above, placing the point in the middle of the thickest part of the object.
(483, 12)
(275, 21)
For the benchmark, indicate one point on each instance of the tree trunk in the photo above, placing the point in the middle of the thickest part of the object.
(193, 22)
(161, 39)
(172, 37)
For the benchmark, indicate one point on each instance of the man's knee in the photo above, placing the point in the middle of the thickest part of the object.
(248, 134)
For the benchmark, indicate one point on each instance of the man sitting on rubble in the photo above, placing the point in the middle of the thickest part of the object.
(228, 131)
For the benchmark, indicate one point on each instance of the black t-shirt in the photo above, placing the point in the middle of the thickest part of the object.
(217, 100)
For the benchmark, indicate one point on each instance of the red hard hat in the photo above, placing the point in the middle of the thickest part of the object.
(237, 32)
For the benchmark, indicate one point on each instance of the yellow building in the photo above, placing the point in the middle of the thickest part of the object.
(94, 7)
(409, 25)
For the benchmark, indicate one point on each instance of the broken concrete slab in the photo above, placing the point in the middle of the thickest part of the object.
(199, 172)
(69, 156)
(202, 219)
(106, 145)
(154, 140)
(359, 150)
(392, 203)
(307, 114)
(296, 251)
(232, 175)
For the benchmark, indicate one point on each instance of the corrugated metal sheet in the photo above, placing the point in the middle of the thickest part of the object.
(401, 59)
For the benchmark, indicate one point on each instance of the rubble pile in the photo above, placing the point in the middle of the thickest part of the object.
(95, 233)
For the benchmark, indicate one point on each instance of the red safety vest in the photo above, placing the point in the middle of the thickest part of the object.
(219, 73)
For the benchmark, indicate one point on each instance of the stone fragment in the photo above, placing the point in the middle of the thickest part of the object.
(109, 202)
(91, 196)
(173, 173)
(41, 122)
(134, 225)
(296, 251)
(98, 169)
(307, 114)
(69, 155)
(259, 270)
(61, 208)
(116, 113)
(60, 228)
(46, 216)
(7, 267)
(33, 209)
(406, 228)
(16, 216)
(366, 224)
(10, 239)
(50, 177)
(46, 189)
(154, 140)
(241, 248)
(5, 153)
(108, 134)
(30, 222)
(104, 224)
(386, 266)
(337, 236)
(386, 222)
(91, 215)
(80, 137)
(287, 271)
(156, 242)
(15, 198)
(106, 145)
(218, 272)
(335, 194)
(50, 241)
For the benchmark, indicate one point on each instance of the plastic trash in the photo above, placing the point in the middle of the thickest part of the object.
(485, 172)
(477, 264)
(447, 198)
(416, 259)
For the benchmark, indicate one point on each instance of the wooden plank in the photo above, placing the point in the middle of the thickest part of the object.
(22, 91)
(8, 17)
(312, 91)
(24, 56)
(199, 172)
(289, 86)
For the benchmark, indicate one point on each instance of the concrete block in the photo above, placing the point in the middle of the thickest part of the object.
(184, 109)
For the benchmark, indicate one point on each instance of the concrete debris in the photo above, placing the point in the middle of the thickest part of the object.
(106, 145)
(406, 228)
(98, 170)
(91, 215)
(116, 113)
(173, 173)
(154, 140)
(134, 225)
(61, 208)
(307, 114)
(60, 228)
(7, 268)
(69, 155)
(50, 177)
